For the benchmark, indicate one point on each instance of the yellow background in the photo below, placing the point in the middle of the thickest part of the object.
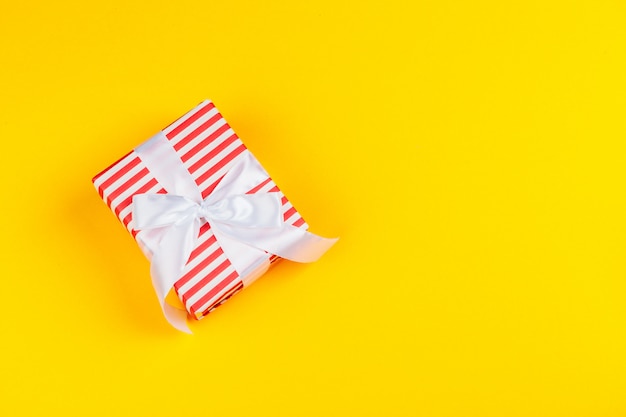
(470, 155)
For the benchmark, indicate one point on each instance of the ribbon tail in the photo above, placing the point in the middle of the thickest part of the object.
(305, 246)
(162, 285)
(167, 265)
(177, 318)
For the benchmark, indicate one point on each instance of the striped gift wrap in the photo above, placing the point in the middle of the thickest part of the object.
(208, 148)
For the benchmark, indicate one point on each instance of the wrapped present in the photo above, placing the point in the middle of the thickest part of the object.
(204, 212)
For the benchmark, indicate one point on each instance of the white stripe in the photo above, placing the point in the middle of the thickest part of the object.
(114, 169)
(186, 116)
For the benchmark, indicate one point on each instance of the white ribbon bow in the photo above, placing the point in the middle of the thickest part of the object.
(252, 222)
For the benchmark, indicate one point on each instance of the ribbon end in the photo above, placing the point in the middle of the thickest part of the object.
(177, 318)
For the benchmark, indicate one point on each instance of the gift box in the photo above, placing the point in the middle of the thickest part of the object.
(205, 212)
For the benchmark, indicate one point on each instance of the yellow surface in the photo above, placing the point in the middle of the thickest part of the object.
(470, 155)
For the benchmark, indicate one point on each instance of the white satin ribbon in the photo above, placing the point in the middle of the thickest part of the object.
(242, 223)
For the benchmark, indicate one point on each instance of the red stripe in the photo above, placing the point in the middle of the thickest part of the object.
(299, 222)
(258, 187)
(284, 200)
(274, 189)
(215, 168)
(204, 110)
(289, 213)
(129, 199)
(205, 281)
(123, 170)
(212, 154)
(219, 287)
(195, 270)
(124, 187)
(204, 228)
(127, 219)
(197, 131)
(205, 143)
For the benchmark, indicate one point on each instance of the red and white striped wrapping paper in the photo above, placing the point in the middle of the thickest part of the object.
(208, 148)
